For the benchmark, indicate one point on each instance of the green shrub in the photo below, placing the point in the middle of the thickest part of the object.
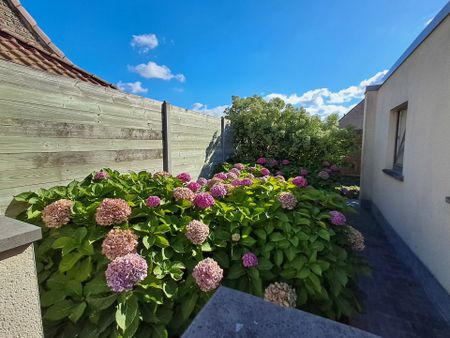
(299, 247)
(278, 130)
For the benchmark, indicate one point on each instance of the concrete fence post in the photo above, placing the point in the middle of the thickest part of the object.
(167, 160)
(222, 137)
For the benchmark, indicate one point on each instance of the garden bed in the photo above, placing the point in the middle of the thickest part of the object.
(138, 254)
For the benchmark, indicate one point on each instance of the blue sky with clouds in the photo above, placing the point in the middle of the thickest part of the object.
(197, 54)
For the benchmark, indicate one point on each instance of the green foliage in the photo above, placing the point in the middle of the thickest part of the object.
(277, 130)
(298, 247)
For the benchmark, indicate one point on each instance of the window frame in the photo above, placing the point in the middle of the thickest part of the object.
(396, 171)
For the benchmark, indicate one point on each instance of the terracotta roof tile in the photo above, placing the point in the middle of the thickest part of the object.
(14, 49)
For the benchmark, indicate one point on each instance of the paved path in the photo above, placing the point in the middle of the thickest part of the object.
(396, 305)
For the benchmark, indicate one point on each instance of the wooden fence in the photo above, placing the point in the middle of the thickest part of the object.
(54, 129)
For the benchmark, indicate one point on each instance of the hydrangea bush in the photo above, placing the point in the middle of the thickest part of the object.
(138, 255)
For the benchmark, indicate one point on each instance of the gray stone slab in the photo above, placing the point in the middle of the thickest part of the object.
(14, 233)
(231, 313)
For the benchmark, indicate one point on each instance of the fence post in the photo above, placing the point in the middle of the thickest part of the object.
(222, 136)
(167, 160)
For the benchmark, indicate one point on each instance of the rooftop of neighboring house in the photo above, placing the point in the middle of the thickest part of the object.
(354, 117)
(23, 42)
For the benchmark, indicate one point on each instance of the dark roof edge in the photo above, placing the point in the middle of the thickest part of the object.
(437, 20)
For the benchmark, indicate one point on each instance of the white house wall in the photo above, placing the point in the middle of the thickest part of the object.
(416, 207)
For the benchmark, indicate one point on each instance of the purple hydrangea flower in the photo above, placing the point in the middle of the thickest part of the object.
(101, 175)
(249, 260)
(232, 176)
(323, 175)
(334, 168)
(279, 173)
(239, 166)
(222, 176)
(184, 177)
(153, 201)
(265, 172)
(204, 200)
(124, 272)
(285, 162)
(287, 200)
(261, 160)
(194, 186)
(202, 181)
(246, 182)
(300, 181)
(218, 190)
(273, 162)
(236, 183)
(337, 218)
(235, 171)
(304, 172)
(252, 169)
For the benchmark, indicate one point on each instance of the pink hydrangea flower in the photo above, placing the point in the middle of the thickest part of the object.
(197, 232)
(232, 176)
(101, 175)
(207, 274)
(58, 213)
(287, 200)
(280, 178)
(202, 181)
(273, 162)
(264, 178)
(214, 180)
(153, 201)
(252, 169)
(194, 186)
(124, 272)
(239, 166)
(304, 172)
(251, 176)
(204, 200)
(184, 177)
(300, 181)
(119, 242)
(261, 160)
(218, 190)
(222, 176)
(337, 218)
(249, 260)
(285, 162)
(112, 211)
(323, 175)
(265, 172)
(182, 193)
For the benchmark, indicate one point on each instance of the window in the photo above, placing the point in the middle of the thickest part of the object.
(400, 140)
(397, 144)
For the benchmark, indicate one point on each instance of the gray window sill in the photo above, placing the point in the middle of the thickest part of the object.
(16, 233)
(394, 174)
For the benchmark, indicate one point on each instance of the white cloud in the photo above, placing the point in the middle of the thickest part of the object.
(152, 70)
(144, 42)
(132, 87)
(203, 108)
(324, 102)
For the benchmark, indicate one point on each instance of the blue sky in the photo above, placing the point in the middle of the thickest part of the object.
(197, 54)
